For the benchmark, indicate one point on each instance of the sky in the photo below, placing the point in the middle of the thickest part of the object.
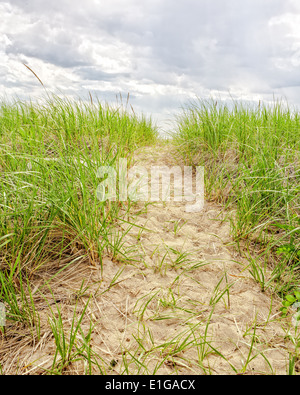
(164, 53)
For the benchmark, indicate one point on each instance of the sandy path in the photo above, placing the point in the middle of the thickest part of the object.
(183, 304)
(188, 296)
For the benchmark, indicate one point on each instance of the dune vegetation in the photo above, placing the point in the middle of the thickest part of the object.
(252, 161)
(64, 253)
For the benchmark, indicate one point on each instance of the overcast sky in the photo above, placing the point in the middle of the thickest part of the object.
(163, 52)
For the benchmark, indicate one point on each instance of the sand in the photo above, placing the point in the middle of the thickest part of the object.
(182, 303)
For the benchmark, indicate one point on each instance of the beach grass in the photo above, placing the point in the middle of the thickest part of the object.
(251, 155)
(86, 287)
(49, 211)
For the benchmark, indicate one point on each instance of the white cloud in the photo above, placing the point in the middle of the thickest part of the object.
(161, 51)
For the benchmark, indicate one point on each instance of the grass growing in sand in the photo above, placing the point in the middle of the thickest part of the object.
(95, 287)
(50, 216)
(251, 155)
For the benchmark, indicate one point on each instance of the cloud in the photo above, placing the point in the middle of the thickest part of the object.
(162, 52)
